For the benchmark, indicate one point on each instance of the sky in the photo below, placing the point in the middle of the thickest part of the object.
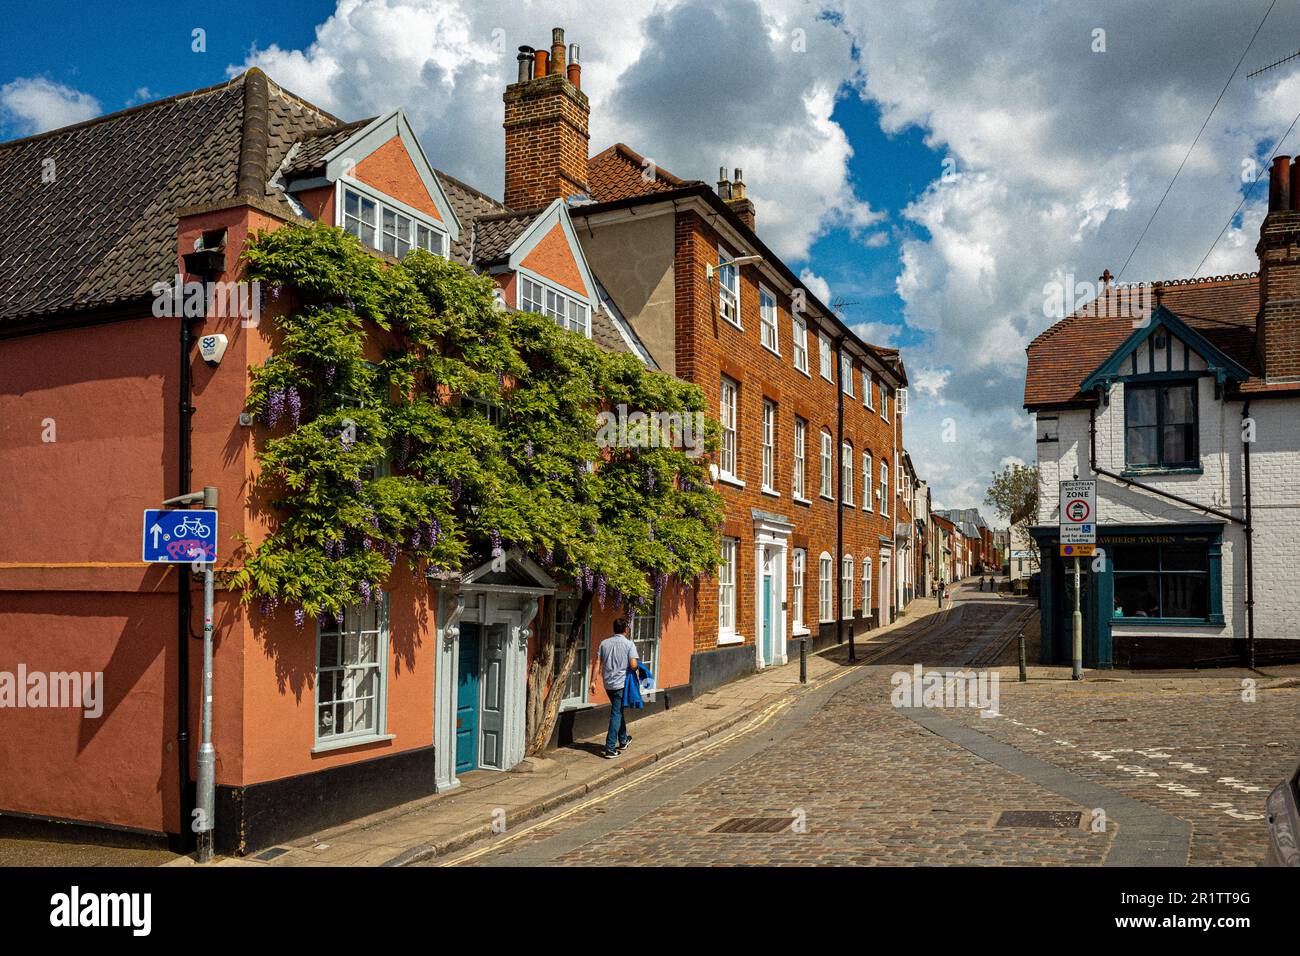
(931, 166)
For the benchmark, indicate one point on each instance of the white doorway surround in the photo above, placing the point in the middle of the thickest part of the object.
(886, 594)
(771, 558)
(505, 592)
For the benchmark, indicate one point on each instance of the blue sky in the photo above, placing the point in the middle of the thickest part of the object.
(842, 113)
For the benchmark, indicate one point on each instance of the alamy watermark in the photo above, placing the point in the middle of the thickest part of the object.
(682, 430)
(197, 300)
(59, 689)
(938, 689)
(1065, 296)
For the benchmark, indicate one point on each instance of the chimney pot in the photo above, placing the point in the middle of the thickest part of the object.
(539, 63)
(573, 53)
(557, 51)
(575, 74)
(1279, 184)
(1294, 203)
(525, 59)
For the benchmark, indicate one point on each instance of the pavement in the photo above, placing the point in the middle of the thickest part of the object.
(488, 802)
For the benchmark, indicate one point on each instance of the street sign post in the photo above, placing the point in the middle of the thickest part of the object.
(1078, 505)
(179, 536)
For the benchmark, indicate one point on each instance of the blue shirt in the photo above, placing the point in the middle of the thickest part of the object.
(616, 655)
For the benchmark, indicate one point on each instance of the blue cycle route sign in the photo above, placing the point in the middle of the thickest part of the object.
(179, 536)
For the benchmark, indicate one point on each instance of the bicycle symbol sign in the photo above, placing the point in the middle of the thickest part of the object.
(179, 536)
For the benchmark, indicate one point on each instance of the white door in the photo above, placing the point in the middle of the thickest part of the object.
(884, 591)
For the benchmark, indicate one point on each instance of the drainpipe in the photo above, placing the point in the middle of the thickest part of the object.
(1246, 524)
(838, 566)
(1250, 555)
(206, 264)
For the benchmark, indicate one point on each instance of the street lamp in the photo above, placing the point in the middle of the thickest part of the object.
(710, 270)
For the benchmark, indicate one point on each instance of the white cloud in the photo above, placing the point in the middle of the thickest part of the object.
(816, 284)
(33, 104)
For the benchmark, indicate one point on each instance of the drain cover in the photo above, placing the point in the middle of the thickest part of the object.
(753, 825)
(272, 853)
(1053, 819)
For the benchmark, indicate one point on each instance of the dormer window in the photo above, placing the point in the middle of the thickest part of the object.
(1160, 425)
(566, 311)
(389, 226)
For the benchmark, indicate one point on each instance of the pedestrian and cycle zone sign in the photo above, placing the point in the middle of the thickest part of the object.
(177, 536)
(1078, 518)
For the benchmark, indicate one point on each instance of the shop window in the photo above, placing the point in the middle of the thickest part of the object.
(1162, 580)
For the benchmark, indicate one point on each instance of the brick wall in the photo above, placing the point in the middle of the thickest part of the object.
(1279, 293)
(546, 141)
(709, 347)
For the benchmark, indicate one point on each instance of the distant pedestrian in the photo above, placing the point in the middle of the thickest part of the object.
(981, 583)
(617, 656)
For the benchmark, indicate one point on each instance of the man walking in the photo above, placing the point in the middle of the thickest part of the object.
(617, 657)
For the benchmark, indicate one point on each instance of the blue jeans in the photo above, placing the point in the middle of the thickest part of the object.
(617, 723)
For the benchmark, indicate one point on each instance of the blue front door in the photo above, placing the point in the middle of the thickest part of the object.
(467, 700)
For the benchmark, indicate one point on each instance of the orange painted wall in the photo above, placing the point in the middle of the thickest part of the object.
(390, 170)
(553, 259)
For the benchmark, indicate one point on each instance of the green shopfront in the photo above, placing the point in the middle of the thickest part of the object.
(1155, 583)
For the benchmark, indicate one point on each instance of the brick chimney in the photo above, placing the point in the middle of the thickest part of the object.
(1278, 325)
(732, 192)
(546, 127)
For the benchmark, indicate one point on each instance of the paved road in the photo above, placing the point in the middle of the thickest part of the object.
(1134, 772)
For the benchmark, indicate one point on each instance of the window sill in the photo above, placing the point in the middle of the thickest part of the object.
(347, 742)
(1137, 472)
(798, 631)
(771, 491)
(828, 379)
(803, 371)
(574, 705)
(849, 504)
(1214, 621)
(733, 638)
(735, 325)
(827, 497)
(727, 479)
(769, 348)
(799, 500)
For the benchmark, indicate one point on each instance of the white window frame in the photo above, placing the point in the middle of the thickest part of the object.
(728, 287)
(798, 568)
(727, 589)
(846, 587)
(846, 466)
(868, 488)
(825, 585)
(866, 585)
(769, 317)
(534, 294)
(884, 489)
(799, 334)
(798, 483)
(826, 361)
(581, 660)
(827, 482)
(884, 401)
(728, 399)
(384, 203)
(846, 373)
(354, 625)
(769, 447)
(868, 386)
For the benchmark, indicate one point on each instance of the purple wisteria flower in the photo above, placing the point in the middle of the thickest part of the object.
(601, 587)
(588, 577)
(454, 487)
(365, 592)
(274, 408)
(299, 618)
(267, 605)
(649, 479)
(497, 551)
(330, 370)
(338, 617)
(528, 448)
(416, 537)
(356, 486)
(295, 405)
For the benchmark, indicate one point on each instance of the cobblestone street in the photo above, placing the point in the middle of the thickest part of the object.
(844, 777)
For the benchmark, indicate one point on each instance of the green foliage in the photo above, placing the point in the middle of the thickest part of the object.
(1014, 493)
(411, 420)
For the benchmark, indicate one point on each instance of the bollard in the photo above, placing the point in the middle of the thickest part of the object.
(1024, 675)
(803, 660)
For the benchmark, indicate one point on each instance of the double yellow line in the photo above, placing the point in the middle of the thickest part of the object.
(766, 715)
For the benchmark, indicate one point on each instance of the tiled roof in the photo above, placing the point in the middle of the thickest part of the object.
(104, 230)
(494, 234)
(619, 173)
(309, 156)
(1223, 309)
(468, 204)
